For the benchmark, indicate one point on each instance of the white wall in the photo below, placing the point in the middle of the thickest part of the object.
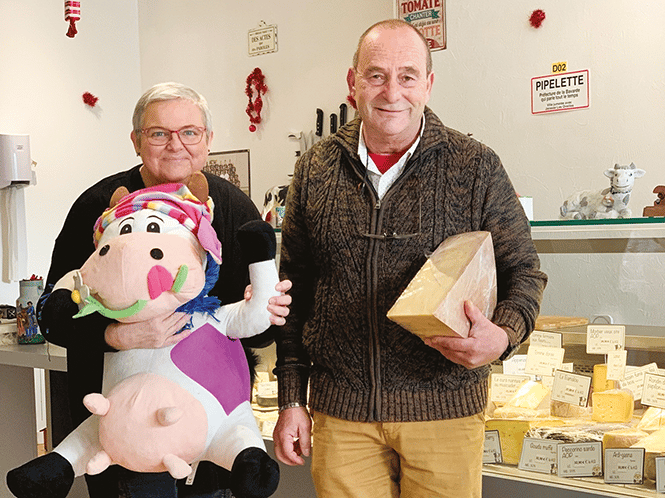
(43, 75)
(482, 85)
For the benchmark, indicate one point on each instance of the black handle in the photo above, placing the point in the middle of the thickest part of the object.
(333, 123)
(319, 122)
(342, 114)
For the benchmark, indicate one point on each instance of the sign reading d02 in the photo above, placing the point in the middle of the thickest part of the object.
(560, 92)
(262, 40)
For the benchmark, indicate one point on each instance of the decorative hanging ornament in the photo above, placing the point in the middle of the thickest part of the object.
(90, 99)
(255, 87)
(537, 18)
(72, 14)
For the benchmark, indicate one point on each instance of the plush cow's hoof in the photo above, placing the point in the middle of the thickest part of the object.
(49, 476)
(254, 474)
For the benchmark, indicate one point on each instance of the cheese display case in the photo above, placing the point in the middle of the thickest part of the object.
(606, 277)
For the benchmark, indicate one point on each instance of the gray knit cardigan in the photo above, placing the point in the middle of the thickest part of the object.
(346, 275)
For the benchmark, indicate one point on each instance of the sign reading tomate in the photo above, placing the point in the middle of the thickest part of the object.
(428, 16)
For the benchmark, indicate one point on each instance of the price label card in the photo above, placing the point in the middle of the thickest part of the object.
(571, 388)
(567, 367)
(504, 386)
(539, 455)
(543, 361)
(492, 449)
(660, 474)
(267, 388)
(601, 339)
(634, 379)
(616, 364)
(653, 391)
(515, 365)
(580, 459)
(624, 465)
(546, 339)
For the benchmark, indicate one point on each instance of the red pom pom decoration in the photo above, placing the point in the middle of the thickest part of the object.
(255, 80)
(537, 18)
(90, 99)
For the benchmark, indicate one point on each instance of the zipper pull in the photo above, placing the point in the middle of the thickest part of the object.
(377, 206)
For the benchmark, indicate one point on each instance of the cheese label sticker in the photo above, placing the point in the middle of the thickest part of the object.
(539, 455)
(653, 390)
(504, 386)
(602, 339)
(492, 449)
(634, 379)
(580, 459)
(546, 339)
(624, 465)
(515, 365)
(543, 361)
(571, 388)
(616, 364)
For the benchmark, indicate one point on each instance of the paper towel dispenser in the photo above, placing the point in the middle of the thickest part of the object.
(15, 163)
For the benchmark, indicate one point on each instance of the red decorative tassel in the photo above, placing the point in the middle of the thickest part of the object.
(72, 14)
(90, 99)
(537, 18)
(255, 86)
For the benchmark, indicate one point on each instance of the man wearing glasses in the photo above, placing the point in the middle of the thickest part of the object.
(393, 416)
(172, 130)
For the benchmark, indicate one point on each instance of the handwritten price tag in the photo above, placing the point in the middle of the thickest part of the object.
(543, 361)
(571, 388)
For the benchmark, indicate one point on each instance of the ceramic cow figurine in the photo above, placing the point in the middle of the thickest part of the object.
(164, 409)
(611, 202)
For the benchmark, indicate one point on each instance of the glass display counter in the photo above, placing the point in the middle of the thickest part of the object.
(609, 272)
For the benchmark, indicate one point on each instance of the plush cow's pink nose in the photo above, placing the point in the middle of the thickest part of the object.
(159, 280)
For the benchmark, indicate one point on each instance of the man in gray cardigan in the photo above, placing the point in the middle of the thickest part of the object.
(393, 415)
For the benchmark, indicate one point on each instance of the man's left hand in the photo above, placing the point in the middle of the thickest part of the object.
(486, 341)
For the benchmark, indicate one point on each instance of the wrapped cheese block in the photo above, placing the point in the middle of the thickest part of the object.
(615, 405)
(462, 268)
(578, 431)
(652, 420)
(530, 400)
(622, 438)
(654, 446)
(599, 380)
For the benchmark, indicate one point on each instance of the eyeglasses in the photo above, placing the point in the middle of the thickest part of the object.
(189, 135)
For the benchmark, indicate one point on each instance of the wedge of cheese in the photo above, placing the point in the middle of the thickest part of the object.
(462, 268)
(654, 446)
(599, 380)
(511, 435)
(622, 438)
(567, 410)
(615, 405)
(652, 420)
(531, 395)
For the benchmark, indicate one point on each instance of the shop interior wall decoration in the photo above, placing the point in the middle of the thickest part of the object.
(658, 208)
(72, 14)
(255, 88)
(232, 165)
(611, 202)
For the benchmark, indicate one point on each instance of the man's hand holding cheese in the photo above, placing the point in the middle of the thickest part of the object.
(486, 341)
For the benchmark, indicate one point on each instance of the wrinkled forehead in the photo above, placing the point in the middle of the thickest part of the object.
(146, 220)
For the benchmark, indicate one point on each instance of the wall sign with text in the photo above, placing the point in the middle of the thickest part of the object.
(560, 92)
(428, 16)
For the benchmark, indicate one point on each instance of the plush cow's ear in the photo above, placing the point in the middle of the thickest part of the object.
(119, 193)
(198, 186)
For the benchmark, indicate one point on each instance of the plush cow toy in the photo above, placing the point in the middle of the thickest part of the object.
(164, 409)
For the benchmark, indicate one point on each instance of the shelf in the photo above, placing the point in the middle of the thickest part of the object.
(593, 485)
(629, 235)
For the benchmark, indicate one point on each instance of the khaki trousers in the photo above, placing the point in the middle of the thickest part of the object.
(442, 458)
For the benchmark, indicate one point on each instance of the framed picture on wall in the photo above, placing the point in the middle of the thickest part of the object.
(429, 17)
(232, 165)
